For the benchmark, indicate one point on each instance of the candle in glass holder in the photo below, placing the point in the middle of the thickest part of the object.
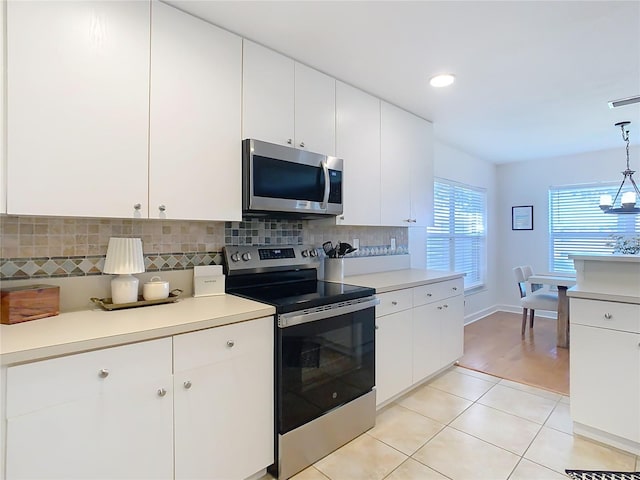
(628, 198)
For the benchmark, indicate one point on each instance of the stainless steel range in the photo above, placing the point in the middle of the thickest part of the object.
(325, 350)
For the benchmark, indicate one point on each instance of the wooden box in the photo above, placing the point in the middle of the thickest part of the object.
(29, 302)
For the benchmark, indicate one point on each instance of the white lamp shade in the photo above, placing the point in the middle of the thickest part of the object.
(124, 255)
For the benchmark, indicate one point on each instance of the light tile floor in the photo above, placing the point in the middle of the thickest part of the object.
(465, 425)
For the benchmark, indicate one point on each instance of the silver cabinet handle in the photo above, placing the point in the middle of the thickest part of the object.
(377, 327)
(289, 141)
(408, 220)
(162, 392)
(230, 343)
(301, 144)
(162, 208)
(187, 384)
(446, 306)
(342, 217)
(429, 295)
(104, 373)
(137, 206)
(608, 316)
(394, 303)
(440, 308)
(455, 288)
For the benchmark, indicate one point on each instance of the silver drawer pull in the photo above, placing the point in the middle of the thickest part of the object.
(608, 316)
(439, 308)
(446, 306)
(377, 327)
(230, 343)
(162, 392)
(455, 288)
(429, 295)
(394, 303)
(187, 384)
(104, 373)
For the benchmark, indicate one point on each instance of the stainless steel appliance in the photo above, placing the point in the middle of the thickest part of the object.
(325, 350)
(285, 181)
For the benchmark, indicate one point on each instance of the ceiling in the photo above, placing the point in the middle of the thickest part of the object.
(532, 78)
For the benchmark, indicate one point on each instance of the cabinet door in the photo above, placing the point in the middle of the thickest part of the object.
(224, 406)
(427, 337)
(77, 107)
(268, 95)
(315, 110)
(195, 139)
(358, 144)
(79, 424)
(393, 355)
(451, 329)
(421, 172)
(605, 380)
(395, 166)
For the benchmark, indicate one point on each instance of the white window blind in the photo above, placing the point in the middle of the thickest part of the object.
(577, 225)
(457, 240)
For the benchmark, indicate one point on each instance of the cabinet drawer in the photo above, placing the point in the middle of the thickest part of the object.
(437, 291)
(392, 302)
(56, 381)
(624, 317)
(197, 349)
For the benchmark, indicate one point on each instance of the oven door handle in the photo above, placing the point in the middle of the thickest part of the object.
(311, 315)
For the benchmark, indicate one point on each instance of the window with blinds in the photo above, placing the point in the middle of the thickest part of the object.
(578, 225)
(457, 240)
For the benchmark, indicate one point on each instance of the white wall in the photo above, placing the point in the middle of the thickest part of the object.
(453, 164)
(527, 183)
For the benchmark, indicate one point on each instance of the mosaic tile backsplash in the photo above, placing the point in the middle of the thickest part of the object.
(40, 247)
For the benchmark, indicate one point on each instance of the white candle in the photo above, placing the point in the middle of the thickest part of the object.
(628, 198)
(605, 200)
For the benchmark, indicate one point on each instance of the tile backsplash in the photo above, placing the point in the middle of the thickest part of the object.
(37, 247)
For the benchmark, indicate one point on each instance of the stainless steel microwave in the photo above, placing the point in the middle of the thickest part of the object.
(285, 181)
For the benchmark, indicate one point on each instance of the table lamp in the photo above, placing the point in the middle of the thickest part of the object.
(124, 257)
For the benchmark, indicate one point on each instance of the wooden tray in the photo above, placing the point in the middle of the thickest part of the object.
(107, 303)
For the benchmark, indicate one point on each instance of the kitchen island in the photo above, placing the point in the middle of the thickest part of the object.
(605, 349)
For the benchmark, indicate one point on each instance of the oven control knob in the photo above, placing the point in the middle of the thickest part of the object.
(313, 252)
(305, 253)
(235, 257)
(246, 256)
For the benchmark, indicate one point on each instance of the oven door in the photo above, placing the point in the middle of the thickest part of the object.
(325, 358)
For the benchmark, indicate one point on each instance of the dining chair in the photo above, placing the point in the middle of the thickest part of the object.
(532, 301)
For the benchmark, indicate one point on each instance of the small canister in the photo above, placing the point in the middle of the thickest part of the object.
(155, 289)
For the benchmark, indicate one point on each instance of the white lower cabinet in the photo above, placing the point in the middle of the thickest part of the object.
(224, 394)
(605, 371)
(195, 406)
(419, 331)
(105, 414)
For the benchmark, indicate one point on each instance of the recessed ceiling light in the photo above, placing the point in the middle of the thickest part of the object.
(442, 80)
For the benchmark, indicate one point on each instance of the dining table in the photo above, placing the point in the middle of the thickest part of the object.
(562, 283)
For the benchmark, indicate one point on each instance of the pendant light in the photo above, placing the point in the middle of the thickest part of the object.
(629, 198)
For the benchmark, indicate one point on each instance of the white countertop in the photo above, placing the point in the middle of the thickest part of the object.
(399, 279)
(97, 328)
(614, 257)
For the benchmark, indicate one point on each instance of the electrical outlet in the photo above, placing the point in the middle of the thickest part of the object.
(393, 243)
(356, 243)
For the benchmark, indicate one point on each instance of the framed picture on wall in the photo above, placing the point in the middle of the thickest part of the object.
(522, 217)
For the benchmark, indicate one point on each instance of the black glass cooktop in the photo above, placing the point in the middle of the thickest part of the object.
(298, 295)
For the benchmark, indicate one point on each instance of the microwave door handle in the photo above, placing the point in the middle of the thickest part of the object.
(327, 185)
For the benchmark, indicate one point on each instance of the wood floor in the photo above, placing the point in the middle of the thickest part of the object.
(494, 345)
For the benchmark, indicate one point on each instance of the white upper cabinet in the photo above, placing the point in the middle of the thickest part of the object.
(358, 144)
(285, 102)
(268, 86)
(406, 147)
(195, 145)
(315, 110)
(77, 107)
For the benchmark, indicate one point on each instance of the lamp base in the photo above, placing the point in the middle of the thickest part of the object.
(124, 289)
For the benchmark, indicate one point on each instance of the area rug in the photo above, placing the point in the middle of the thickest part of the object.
(602, 475)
